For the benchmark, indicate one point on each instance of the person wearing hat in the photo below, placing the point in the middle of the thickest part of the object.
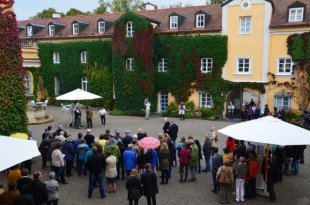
(52, 188)
(129, 159)
(127, 139)
(117, 135)
(89, 138)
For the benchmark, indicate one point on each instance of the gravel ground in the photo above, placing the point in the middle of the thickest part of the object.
(293, 189)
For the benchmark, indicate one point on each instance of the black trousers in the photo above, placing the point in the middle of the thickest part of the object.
(133, 201)
(270, 189)
(53, 202)
(151, 200)
(215, 183)
(89, 123)
(102, 119)
(69, 164)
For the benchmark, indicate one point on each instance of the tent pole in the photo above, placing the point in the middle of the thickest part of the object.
(266, 167)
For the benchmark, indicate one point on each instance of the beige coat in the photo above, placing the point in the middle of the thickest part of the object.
(57, 158)
(110, 170)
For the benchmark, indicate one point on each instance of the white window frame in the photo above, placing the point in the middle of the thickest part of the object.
(29, 31)
(279, 101)
(101, 27)
(129, 29)
(85, 83)
(206, 65)
(287, 61)
(75, 28)
(200, 20)
(56, 58)
(84, 57)
(27, 81)
(205, 99)
(294, 16)
(245, 25)
(51, 30)
(163, 65)
(174, 22)
(243, 67)
(129, 64)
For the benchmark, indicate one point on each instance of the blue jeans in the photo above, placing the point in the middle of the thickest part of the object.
(295, 167)
(208, 166)
(81, 167)
(92, 182)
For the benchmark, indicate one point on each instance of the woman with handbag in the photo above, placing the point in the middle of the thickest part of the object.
(134, 187)
(226, 180)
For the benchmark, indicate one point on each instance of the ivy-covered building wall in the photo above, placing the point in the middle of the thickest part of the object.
(130, 66)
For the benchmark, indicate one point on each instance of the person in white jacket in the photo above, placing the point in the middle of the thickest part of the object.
(111, 172)
(58, 164)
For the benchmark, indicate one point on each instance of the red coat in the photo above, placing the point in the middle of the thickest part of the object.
(231, 145)
(185, 156)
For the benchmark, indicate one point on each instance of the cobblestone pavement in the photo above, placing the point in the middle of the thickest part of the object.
(293, 189)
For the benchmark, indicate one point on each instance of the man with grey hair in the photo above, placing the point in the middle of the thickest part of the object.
(57, 132)
(207, 146)
(52, 186)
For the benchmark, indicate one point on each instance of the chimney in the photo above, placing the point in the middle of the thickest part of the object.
(149, 6)
(56, 15)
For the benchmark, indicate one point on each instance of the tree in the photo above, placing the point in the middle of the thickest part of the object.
(76, 12)
(180, 5)
(103, 8)
(12, 94)
(218, 1)
(46, 13)
(123, 5)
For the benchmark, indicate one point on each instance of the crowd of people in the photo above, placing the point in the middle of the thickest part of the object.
(113, 157)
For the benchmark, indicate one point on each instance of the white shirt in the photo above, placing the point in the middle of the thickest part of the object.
(102, 112)
(148, 105)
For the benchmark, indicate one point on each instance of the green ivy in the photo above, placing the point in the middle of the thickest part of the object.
(70, 70)
(12, 94)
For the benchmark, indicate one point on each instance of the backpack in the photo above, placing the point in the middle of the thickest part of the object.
(82, 151)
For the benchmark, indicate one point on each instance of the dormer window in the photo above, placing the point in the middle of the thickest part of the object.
(51, 30)
(296, 14)
(75, 28)
(101, 27)
(200, 20)
(129, 29)
(174, 23)
(29, 31)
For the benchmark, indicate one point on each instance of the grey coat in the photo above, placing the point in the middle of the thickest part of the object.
(217, 161)
(241, 171)
(52, 189)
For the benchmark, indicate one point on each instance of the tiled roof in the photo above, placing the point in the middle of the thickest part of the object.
(160, 16)
(66, 32)
(280, 14)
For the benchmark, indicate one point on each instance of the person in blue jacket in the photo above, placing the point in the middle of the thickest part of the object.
(154, 159)
(129, 159)
(69, 151)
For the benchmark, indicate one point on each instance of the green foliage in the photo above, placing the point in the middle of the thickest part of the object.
(172, 108)
(206, 112)
(292, 116)
(12, 93)
(46, 13)
(190, 106)
(116, 112)
(70, 70)
(124, 5)
(75, 12)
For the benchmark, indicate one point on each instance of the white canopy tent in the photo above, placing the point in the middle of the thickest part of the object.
(268, 130)
(78, 94)
(14, 151)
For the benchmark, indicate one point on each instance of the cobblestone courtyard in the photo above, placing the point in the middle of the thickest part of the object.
(293, 189)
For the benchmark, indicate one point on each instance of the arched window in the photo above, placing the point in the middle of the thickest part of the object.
(27, 83)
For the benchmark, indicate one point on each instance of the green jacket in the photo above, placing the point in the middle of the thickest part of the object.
(194, 156)
(114, 149)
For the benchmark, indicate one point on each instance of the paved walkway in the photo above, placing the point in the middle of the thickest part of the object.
(293, 189)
